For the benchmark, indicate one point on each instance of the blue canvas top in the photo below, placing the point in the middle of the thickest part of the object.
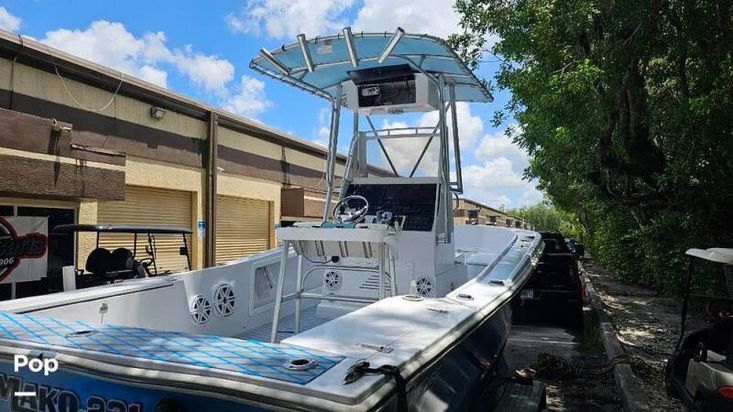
(331, 62)
(248, 357)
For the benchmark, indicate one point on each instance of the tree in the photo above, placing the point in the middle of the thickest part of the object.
(625, 109)
(545, 217)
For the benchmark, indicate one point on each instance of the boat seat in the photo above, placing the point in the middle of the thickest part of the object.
(98, 262)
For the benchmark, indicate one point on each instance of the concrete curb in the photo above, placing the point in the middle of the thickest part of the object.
(632, 396)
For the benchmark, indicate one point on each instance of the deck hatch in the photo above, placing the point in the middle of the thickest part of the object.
(248, 357)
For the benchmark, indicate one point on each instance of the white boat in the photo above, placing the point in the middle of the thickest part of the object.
(384, 305)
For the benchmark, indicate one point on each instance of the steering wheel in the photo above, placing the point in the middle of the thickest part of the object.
(344, 213)
(146, 263)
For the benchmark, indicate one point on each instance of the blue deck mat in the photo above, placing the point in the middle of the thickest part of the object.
(249, 357)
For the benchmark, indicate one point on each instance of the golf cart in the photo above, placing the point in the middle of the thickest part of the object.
(700, 372)
(104, 266)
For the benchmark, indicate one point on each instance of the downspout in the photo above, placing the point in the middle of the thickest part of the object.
(211, 180)
(12, 72)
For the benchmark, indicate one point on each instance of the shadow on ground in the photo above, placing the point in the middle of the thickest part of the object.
(575, 374)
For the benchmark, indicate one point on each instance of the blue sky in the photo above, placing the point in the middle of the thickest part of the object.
(202, 50)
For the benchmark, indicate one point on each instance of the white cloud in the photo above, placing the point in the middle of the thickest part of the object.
(499, 144)
(470, 126)
(436, 17)
(530, 197)
(149, 58)
(498, 177)
(404, 152)
(8, 21)
(323, 130)
(492, 181)
(128, 54)
(210, 72)
(496, 173)
(110, 44)
(288, 18)
(249, 100)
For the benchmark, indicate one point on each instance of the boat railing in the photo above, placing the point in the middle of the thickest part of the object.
(402, 132)
(384, 258)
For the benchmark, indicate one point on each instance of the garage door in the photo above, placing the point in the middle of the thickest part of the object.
(242, 227)
(149, 207)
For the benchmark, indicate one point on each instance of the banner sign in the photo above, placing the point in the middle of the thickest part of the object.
(23, 248)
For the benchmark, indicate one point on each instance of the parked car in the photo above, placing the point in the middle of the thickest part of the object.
(555, 284)
(700, 372)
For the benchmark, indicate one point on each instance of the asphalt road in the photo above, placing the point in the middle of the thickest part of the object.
(585, 387)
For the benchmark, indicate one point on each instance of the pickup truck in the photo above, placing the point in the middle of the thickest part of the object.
(555, 284)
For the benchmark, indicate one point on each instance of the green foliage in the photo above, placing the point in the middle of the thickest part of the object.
(625, 109)
(545, 217)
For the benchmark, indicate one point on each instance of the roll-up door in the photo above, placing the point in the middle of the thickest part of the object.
(149, 207)
(242, 227)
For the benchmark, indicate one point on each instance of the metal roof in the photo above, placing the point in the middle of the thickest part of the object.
(319, 64)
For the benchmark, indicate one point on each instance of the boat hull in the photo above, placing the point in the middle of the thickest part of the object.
(462, 374)
(451, 382)
(463, 358)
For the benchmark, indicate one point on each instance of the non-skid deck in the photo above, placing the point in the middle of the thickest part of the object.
(248, 357)
(308, 320)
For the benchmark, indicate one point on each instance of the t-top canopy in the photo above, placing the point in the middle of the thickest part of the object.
(318, 65)
(714, 254)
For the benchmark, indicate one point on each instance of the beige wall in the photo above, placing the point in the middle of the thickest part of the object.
(48, 86)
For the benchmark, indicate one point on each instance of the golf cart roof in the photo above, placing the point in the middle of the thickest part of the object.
(121, 229)
(319, 64)
(715, 254)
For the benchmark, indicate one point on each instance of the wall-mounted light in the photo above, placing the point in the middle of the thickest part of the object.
(58, 128)
(157, 112)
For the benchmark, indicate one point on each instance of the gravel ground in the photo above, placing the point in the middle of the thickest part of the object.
(647, 326)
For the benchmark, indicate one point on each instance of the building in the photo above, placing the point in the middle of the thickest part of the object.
(469, 211)
(81, 143)
(472, 212)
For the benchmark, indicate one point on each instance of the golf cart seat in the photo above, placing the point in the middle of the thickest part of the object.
(122, 260)
(124, 265)
(98, 262)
